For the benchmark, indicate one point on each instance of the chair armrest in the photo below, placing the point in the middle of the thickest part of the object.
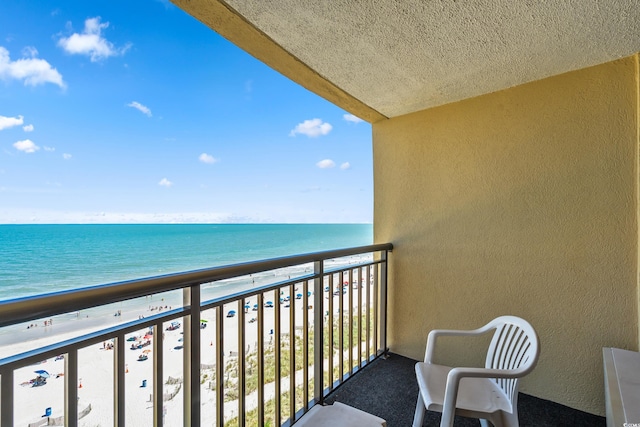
(434, 334)
(453, 383)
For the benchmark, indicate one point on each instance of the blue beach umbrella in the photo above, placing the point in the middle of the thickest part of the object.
(43, 373)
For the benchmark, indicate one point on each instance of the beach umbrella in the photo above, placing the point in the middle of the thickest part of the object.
(42, 373)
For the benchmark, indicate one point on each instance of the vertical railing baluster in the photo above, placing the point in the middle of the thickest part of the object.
(119, 383)
(305, 345)
(383, 301)
(71, 388)
(341, 327)
(196, 354)
(330, 333)
(242, 354)
(158, 375)
(318, 335)
(368, 311)
(191, 361)
(292, 354)
(350, 287)
(6, 397)
(360, 326)
(277, 356)
(260, 349)
(220, 366)
(375, 289)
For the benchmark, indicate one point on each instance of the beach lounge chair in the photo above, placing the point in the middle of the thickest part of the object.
(489, 393)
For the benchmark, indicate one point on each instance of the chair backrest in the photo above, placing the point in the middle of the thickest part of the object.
(514, 346)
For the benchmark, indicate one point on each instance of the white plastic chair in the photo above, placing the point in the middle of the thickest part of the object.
(489, 393)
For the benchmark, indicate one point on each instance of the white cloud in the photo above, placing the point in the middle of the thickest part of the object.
(345, 166)
(27, 146)
(28, 128)
(353, 119)
(142, 108)
(326, 164)
(8, 122)
(49, 148)
(312, 128)
(207, 158)
(91, 42)
(165, 182)
(32, 71)
(30, 52)
(66, 156)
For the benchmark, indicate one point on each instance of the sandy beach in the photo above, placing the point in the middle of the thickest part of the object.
(96, 364)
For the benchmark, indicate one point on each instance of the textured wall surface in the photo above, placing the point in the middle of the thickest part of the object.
(519, 202)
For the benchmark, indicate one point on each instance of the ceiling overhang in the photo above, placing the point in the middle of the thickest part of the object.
(380, 59)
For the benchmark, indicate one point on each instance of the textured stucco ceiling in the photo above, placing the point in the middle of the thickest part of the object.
(398, 57)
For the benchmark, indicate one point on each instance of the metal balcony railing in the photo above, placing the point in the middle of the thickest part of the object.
(317, 320)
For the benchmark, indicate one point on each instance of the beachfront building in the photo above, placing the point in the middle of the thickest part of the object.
(505, 143)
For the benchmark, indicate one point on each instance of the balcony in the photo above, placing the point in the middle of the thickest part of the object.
(505, 146)
(250, 358)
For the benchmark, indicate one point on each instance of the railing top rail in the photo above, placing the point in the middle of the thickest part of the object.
(29, 308)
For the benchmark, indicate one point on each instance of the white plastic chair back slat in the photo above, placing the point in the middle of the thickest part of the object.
(516, 354)
(510, 349)
(513, 349)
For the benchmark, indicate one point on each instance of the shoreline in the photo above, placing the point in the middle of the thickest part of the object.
(96, 318)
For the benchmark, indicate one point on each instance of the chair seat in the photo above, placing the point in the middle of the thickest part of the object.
(475, 395)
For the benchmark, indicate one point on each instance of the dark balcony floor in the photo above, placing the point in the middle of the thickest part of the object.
(387, 388)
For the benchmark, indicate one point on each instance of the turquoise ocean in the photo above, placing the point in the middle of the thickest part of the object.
(37, 259)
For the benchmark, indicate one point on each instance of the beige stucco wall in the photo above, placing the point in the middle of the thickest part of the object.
(518, 202)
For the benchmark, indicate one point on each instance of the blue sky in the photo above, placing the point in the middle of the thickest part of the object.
(133, 111)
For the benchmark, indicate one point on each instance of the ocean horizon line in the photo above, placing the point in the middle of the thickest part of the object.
(187, 223)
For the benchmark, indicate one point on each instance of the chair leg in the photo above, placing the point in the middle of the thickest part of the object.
(511, 420)
(418, 417)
